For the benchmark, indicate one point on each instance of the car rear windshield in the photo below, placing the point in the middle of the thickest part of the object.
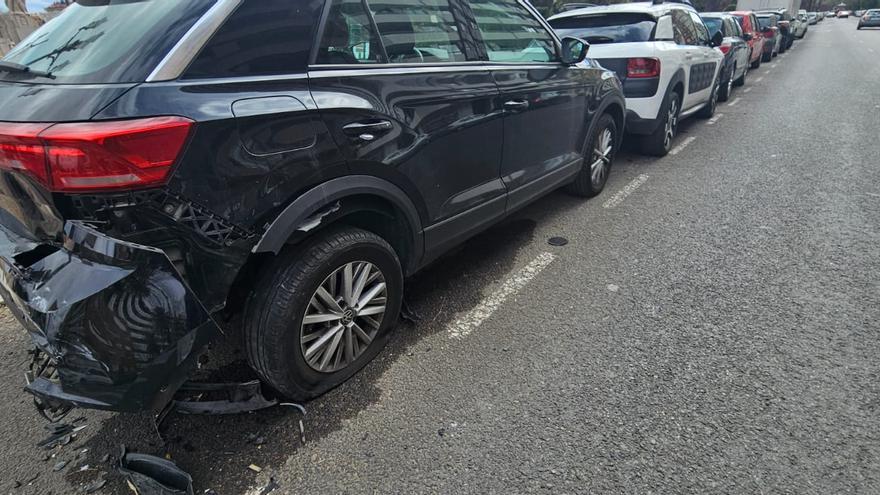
(607, 28)
(103, 41)
(766, 22)
(713, 24)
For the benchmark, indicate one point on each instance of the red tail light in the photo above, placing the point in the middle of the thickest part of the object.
(95, 156)
(642, 67)
(724, 48)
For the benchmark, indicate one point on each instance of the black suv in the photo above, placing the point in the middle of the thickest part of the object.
(165, 165)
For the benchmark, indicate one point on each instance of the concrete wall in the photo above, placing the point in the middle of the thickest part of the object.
(14, 27)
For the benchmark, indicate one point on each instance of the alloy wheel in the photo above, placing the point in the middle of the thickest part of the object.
(343, 316)
(671, 123)
(602, 156)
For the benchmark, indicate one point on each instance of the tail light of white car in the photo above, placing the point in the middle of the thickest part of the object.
(642, 67)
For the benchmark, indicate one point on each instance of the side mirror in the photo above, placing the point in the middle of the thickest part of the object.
(748, 37)
(717, 39)
(574, 50)
(663, 31)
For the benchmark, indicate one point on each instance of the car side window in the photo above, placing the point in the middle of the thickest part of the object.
(262, 37)
(702, 34)
(418, 31)
(683, 28)
(349, 36)
(511, 33)
(738, 30)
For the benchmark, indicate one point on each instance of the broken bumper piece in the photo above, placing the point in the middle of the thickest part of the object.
(120, 326)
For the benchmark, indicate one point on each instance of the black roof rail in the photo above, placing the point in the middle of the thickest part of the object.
(685, 2)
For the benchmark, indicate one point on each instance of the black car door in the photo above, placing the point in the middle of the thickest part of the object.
(399, 87)
(544, 100)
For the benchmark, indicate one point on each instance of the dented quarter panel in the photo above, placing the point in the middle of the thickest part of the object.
(118, 320)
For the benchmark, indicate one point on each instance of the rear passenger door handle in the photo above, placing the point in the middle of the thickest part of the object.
(367, 130)
(516, 105)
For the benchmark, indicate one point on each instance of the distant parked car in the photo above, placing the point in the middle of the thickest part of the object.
(784, 23)
(800, 24)
(870, 18)
(752, 34)
(772, 35)
(737, 58)
(843, 14)
(664, 56)
(859, 13)
(812, 18)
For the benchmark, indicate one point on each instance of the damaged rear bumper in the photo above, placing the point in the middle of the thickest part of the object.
(119, 324)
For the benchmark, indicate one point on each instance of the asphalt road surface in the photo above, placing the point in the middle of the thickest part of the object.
(711, 327)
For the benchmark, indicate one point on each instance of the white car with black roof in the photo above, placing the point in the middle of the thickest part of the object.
(663, 55)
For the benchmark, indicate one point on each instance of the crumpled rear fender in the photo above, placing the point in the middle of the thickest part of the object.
(121, 326)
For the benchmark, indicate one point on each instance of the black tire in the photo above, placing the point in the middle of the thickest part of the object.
(741, 80)
(757, 63)
(766, 57)
(589, 182)
(708, 110)
(726, 86)
(656, 143)
(276, 308)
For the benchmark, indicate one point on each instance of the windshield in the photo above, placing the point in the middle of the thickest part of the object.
(766, 22)
(713, 24)
(610, 28)
(103, 41)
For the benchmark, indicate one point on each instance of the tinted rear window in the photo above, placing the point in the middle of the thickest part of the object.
(713, 24)
(105, 41)
(608, 28)
(766, 22)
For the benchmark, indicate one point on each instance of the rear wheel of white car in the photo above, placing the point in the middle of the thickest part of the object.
(323, 311)
(598, 157)
(708, 110)
(660, 141)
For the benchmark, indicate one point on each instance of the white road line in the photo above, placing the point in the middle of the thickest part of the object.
(714, 119)
(759, 79)
(684, 144)
(466, 324)
(871, 50)
(747, 90)
(773, 66)
(619, 196)
(735, 101)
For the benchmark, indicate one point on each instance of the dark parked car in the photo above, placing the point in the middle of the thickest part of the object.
(737, 56)
(166, 165)
(772, 35)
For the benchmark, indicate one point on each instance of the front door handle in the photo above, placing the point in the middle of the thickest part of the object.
(516, 105)
(367, 130)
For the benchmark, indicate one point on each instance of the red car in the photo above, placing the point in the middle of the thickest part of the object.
(753, 35)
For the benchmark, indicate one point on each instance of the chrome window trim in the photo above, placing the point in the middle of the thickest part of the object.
(328, 71)
(178, 59)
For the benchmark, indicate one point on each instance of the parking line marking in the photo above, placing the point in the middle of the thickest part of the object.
(747, 90)
(628, 189)
(759, 79)
(466, 324)
(735, 101)
(715, 119)
(684, 144)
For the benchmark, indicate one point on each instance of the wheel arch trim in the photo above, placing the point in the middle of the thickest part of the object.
(303, 208)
